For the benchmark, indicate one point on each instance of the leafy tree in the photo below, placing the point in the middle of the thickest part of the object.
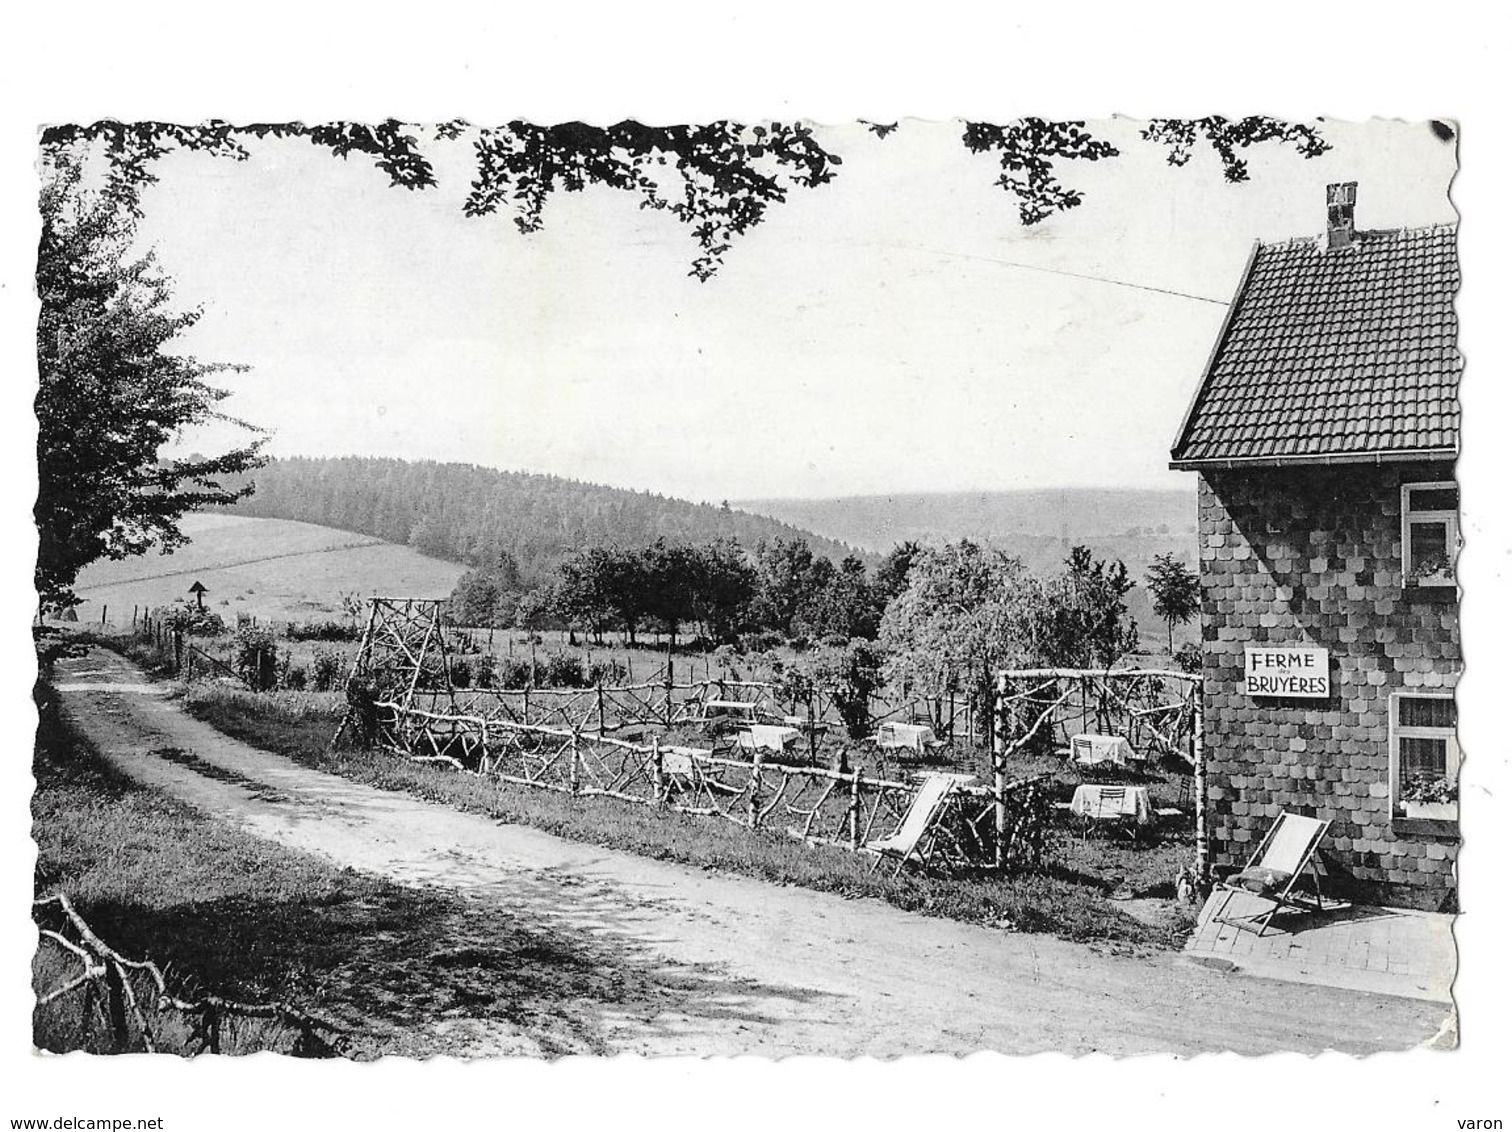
(782, 568)
(845, 603)
(892, 576)
(670, 576)
(851, 674)
(1083, 623)
(724, 585)
(966, 612)
(112, 393)
(717, 179)
(1177, 594)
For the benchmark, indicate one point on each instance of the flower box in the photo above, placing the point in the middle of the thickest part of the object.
(1432, 811)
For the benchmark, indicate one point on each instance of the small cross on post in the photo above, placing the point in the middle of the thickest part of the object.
(199, 592)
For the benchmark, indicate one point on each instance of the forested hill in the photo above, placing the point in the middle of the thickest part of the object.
(472, 514)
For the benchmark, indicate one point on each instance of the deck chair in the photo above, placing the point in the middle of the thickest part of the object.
(915, 837)
(1274, 870)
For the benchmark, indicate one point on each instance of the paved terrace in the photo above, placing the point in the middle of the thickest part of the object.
(1391, 951)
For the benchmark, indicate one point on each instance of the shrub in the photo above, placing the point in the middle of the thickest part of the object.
(194, 621)
(295, 678)
(563, 671)
(513, 672)
(461, 672)
(323, 631)
(256, 657)
(485, 670)
(1189, 657)
(325, 670)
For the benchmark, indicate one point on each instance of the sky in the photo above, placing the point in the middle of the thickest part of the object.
(887, 332)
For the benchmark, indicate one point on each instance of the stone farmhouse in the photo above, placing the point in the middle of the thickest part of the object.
(1324, 433)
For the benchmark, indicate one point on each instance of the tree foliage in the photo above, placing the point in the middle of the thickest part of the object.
(1084, 622)
(111, 394)
(966, 611)
(1177, 593)
(717, 179)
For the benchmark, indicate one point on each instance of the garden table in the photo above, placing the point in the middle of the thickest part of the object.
(1113, 803)
(906, 736)
(768, 736)
(1094, 750)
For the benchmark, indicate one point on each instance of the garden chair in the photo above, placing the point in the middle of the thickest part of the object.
(1274, 870)
(918, 833)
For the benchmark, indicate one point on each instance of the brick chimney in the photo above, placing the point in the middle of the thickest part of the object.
(1341, 206)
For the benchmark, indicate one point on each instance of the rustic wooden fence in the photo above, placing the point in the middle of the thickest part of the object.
(838, 807)
(128, 1003)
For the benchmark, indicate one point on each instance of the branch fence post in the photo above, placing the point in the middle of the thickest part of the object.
(753, 816)
(853, 814)
(999, 774)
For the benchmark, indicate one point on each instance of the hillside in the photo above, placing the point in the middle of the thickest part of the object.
(1085, 515)
(268, 568)
(472, 515)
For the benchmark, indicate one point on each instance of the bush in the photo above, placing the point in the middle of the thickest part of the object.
(563, 671)
(1189, 658)
(325, 670)
(513, 672)
(485, 671)
(295, 678)
(323, 631)
(194, 621)
(461, 672)
(256, 657)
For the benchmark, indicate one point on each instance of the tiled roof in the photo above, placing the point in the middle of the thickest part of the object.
(1335, 355)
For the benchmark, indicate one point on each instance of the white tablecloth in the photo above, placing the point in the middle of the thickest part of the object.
(1094, 750)
(768, 737)
(1105, 803)
(905, 736)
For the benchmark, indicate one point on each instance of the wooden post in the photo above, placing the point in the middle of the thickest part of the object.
(103, 608)
(999, 774)
(853, 814)
(572, 773)
(532, 663)
(667, 694)
(753, 816)
(178, 652)
(599, 685)
(658, 775)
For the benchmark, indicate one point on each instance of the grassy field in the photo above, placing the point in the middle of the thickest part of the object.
(230, 914)
(273, 569)
(1073, 899)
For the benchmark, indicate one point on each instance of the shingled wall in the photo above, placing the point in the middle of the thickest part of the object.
(1312, 556)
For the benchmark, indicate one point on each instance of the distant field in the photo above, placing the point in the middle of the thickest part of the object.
(269, 568)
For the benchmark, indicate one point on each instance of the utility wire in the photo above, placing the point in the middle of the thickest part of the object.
(1071, 274)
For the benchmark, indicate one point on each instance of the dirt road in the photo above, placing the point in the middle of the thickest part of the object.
(745, 967)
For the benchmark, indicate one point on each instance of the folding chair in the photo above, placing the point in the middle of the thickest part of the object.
(916, 834)
(1274, 870)
(1107, 805)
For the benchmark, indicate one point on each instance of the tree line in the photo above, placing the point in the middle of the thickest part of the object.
(943, 617)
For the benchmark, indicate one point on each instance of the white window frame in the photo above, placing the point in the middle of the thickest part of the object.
(1398, 732)
(1450, 519)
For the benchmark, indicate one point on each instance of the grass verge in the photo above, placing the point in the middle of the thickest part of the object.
(1072, 900)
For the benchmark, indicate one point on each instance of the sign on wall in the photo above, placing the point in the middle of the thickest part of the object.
(1301, 672)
